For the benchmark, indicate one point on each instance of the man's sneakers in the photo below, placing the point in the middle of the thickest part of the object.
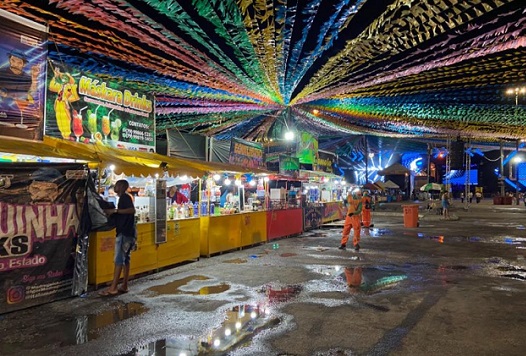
(342, 247)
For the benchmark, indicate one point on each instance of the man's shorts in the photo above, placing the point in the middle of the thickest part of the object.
(123, 248)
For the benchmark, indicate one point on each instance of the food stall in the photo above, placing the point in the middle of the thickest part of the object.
(229, 225)
(324, 198)
(173, 240)
(284, 208)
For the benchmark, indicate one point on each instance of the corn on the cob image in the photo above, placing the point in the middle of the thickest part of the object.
(63, 117)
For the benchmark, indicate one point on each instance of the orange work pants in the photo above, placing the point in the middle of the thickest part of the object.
(351, 222)
(366, 217)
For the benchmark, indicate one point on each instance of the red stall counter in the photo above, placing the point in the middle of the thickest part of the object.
(283, 223)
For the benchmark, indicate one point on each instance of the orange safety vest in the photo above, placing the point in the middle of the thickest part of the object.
(354, 205)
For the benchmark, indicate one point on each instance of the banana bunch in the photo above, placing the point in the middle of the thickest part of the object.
(63, 117)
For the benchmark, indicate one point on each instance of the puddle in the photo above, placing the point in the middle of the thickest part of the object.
(240, 325)
(371, 280)
(174, 287)
(514, 272)
(83, 328)
(236, 261)
(281, 294)
(289, 254)
(454, 267)
(317, 235)
(439, 239)
(375, 232)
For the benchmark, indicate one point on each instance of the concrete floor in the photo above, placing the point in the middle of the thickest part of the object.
(454, 287)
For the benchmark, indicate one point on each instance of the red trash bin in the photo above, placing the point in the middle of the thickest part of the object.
(410, 215)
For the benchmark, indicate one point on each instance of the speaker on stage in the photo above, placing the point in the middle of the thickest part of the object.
(456, 155)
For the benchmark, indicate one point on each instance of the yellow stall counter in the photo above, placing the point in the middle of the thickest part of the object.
(182, 245)
(102, 251)
(182, 242)
(253, 228)
(220, 233)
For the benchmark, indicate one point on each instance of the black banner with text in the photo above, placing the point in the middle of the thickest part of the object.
(40, 211)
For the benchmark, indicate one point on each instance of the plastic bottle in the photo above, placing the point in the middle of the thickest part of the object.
(212, 209)
(196, 209)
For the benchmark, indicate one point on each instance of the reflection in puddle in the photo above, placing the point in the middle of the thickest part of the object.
(236, 261)
(280, 294)
(375, 232)
(174, 287)
(288, 254)
(83, 328)
(514, 272)
(439, 239)
(241, 324)
(371, 280)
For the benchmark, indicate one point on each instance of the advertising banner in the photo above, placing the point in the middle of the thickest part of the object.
(22, 71)
(40, 210)
(312, 216)
(87, 108)
(325, 162)
(247, 154)
(289, 166)
(307, 148)
(333, 211)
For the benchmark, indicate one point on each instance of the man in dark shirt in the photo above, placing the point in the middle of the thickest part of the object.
(16, 87)
(124, 217)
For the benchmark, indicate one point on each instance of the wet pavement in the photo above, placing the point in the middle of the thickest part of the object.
(448, 287)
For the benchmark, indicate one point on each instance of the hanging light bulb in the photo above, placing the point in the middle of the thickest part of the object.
(217, 177)
(252, 183)
(227, 181)
(289, 135)
(238, 182)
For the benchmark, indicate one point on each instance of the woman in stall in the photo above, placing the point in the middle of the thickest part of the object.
(176, 196)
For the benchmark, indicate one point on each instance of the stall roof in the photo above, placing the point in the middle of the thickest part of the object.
(391, 185)
(307, 173)
(394, 169)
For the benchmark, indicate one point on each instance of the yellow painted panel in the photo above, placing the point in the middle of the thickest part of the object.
(102, 251)
(222, 233)
(100, 256)
(145, 258)
(182, 242)
(253, 228)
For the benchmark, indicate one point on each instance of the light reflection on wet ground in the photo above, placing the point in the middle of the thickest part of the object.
(236, 261)
(81, 329)
(391, 279)
(174, 287)
(241, 323)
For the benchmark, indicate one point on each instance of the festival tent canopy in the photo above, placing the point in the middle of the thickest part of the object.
(431, 186)
(391, 185)
(394, 169)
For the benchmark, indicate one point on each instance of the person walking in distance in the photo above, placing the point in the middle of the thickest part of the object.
(352, 220)
(367, 206)
(125, 240)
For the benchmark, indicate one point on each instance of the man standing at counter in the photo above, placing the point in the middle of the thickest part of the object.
(352, 220)
(124, 217)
